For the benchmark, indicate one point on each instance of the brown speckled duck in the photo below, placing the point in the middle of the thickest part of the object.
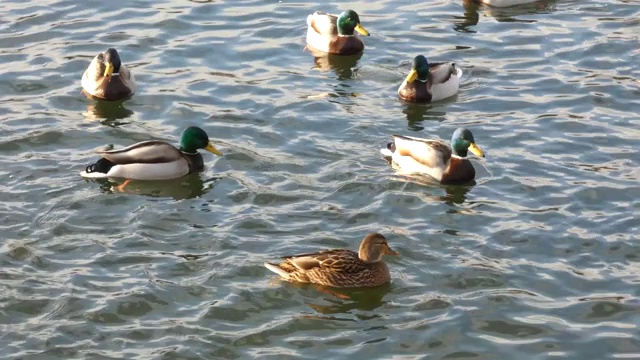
(340, 267)
(447, 164)
(335, 34)
(107, 78)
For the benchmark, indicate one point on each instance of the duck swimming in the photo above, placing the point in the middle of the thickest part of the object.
(153, 160)
(107, 78)
(340, 267)
(334, 34)
(446, 163)
(430, 82)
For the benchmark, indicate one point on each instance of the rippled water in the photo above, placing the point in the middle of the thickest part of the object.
(538, 259)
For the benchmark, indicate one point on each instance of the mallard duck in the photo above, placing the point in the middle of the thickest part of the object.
(107, 78)
(340, 267)
(426, 83)
(505, 3)
(153, 160)
(334, 34)
(447, 164)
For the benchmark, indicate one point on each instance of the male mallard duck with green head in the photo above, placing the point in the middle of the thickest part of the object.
(107, 78)
(335, 34)
(340, 267)
(446, 163)
(427, 83)
(154, 160)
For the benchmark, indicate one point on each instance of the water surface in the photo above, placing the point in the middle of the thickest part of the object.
(538, 259)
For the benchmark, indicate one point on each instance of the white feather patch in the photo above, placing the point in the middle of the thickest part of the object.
(93, 175)
(317, 41)
(162, 171)
(386, 152)
(447, 89)
(409, 165)
(419, 148)
(277, 270)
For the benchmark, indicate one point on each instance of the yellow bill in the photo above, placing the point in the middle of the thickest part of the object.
(108, 70)
(362, 30)
(476, 150)
(212, 149)
(412, 76)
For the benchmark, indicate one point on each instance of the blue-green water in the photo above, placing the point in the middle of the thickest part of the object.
(538, 259)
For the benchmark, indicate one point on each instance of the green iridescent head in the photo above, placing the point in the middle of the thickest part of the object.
(194, 138)
(419, 69)
(348, 21)
(111, 61)
(462, 141)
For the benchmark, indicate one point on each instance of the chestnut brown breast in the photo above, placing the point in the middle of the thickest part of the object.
(416, 91)
(346, 45)
(460, 171)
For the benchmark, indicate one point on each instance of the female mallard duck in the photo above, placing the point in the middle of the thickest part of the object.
(334, 34)
(340, 267)
(505, 3)
(107, 78)
(154, 160)
(447, 164)
(426, 83)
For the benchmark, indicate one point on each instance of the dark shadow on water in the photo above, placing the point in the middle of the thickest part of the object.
(343, 90)
(187, 187)
(344, 96)
(473, 10)
(457, 194)
(418, 113)
(454, 194)
(107, 112)
(470, 18)
(337, 300)
(343, 66)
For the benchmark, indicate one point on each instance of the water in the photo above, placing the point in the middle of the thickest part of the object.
(538, 259)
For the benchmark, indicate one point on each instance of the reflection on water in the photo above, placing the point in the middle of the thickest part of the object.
(187, 187)
(455, 194)
(469, 19)
(345, 300)
(107, 112)
(473, 10)
(417, 113)
(539, 260)
(343, 66)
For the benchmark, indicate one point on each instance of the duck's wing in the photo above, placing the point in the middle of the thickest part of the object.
(442, 72)
(146, 152)
(95, 71)
(323, 23)
(431, 153)
(127, 78)
(94, 75)
(339, 260)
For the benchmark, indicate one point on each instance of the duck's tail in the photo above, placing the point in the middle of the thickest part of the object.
(388, 152)
(276, 269)
(98, 170)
